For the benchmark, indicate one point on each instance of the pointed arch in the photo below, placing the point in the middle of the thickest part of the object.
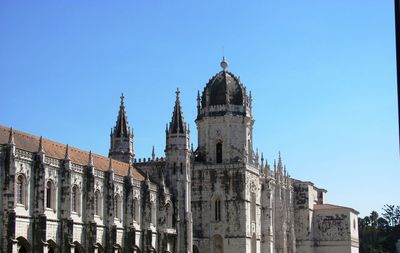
(50, 195)
(117, 248)
(100, 249)
(23, 246)
(117, 206)
(21, 190)
(75, 199)
(52, 247)
(169, 212)
(136, 206)
(78, 248)
(98, 203)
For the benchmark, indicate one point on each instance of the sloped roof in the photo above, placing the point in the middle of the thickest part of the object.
(56, 150)
(331, 207)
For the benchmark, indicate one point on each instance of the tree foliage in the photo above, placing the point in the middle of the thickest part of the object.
(379, 234)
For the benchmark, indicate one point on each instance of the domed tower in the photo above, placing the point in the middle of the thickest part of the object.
(225, 174)
(224, 120)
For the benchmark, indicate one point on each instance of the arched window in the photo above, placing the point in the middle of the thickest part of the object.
(253, 207)
(218, 244)
(97, 203)
(169, 213)
(153, 214)
(217, 209)
(219, 152)
(20, 191)
(117, 206)
(75, 199)
(50, 195)
(136, 210)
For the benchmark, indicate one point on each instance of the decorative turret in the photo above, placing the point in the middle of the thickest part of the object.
(178, 160)
(121, 146)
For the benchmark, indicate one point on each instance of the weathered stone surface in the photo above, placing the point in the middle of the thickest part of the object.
(217, 198)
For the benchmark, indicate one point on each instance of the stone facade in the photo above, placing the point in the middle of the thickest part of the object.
(220, 197)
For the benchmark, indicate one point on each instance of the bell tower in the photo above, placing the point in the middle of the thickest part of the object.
(224, 120)
(121, 137)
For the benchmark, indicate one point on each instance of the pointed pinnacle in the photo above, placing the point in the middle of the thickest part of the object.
(11, 140)
(153, 154)
(66, 157)
(41, 148)
(110, 165)
(130, 170)
(90, 161)
(147, 177)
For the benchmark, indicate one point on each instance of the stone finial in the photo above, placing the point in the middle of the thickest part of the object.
(41, 148)
(66, 156)
(153, 154)
(11, 140)
(224, 63)
(90, 160)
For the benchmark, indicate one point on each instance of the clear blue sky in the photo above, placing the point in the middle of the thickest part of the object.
(322, 74)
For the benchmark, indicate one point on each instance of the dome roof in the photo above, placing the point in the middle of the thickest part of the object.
(223, 88)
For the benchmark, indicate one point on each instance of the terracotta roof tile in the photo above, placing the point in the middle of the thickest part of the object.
(56, 150)
(330, 207)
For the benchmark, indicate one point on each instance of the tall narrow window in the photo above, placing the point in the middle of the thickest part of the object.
(219, 152)
(136, 209)
(217, 209)
(168, 212)
(20, 194)
(253, 207)
(97, 203)
(117, 206)
(153, 214)
(49, 194)
(75, 199)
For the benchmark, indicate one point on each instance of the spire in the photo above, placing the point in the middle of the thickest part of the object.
(41, 148)
(153, 154)
(280, 165)
(262, 159)
(121, 127)
(66, 156)
(198, 102)
(90, 160)
(11, 140)
(177, 124)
